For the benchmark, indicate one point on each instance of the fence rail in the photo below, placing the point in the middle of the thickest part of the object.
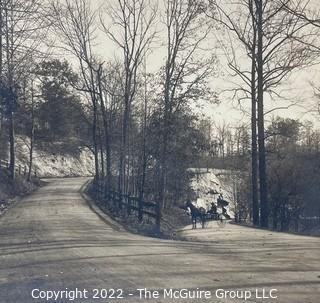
(128, 204)
(308, 223)
(21, 170)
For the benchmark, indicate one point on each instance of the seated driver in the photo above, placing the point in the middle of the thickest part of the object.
(213, 209)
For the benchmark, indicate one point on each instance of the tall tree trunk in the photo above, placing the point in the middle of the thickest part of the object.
(254, 164)
(2, 114)
(1, 41)
(31, 134)
(95, 117)
(164, 149)
(261, 133)
(10, 97)
(122, 162)
(92, 87)
(95, 141)
(144, 154)
(127, 161)
(102, 171)
(254, 147)
(106, 132)
(12, 145)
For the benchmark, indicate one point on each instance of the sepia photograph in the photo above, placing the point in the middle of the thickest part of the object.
(160, 151)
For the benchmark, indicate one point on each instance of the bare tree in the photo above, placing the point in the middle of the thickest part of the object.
(239, 20)
(184, 75)
(272, 39)
(75, 21)
(282, 47)
(132, 30)
(32, 130)
(23, 27)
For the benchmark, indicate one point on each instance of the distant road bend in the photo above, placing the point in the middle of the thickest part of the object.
(53, 242)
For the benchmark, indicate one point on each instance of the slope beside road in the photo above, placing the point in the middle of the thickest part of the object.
(52, 241)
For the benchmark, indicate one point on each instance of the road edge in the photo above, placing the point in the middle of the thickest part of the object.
(102, 216)
(18, 199)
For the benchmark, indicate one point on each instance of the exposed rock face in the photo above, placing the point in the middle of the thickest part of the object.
(54, 164)
(209, 185)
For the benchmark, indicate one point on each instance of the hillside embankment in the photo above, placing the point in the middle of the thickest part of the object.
(56, 160)
(48, 161)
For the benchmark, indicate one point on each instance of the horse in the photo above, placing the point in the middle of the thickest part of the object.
(196, 213)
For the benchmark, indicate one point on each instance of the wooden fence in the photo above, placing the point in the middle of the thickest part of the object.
(308, 223)
(129, 205)
(21, 170)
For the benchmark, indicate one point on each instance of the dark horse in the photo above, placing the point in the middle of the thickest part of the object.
(196, 213)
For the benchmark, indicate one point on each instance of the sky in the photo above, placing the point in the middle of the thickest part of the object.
(297, 88)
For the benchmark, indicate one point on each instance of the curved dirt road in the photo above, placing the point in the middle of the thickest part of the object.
(52, 241)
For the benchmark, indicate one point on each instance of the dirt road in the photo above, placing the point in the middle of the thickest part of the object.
(52, 242)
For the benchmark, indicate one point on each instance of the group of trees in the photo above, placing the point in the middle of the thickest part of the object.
(275, 40)
(37, 97)
(292, 154)
(59, 112)
(227, 145)
(293, 172)
(144, 133)
(20, 39)
(136, 116)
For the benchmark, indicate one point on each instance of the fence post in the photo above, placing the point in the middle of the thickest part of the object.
(140, 211)
(129, 205)
(103, 194)
(99, 190)
(112, 197)
(94, 186)
(106, 196)
(158, 216)
(120, 201)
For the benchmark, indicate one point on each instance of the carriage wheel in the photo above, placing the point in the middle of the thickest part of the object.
(221, 221)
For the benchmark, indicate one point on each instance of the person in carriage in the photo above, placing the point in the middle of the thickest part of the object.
(213, 211)
(223, 204)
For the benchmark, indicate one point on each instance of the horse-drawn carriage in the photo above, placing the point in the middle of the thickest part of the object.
(202, 216)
